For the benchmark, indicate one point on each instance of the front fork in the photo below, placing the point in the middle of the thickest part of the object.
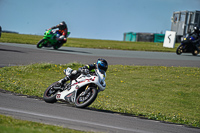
(87, 89)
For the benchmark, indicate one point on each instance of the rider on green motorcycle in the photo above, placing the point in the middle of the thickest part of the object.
(61, 32)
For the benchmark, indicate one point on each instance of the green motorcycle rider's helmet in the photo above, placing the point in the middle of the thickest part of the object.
(62, 25)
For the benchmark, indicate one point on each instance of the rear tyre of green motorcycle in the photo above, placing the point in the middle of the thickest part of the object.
(49, 95)
(86, 100)
(57, 46)
(40, 44)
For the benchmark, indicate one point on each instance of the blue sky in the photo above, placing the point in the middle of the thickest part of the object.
(92, 19)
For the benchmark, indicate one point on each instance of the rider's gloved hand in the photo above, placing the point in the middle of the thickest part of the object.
(85, 71)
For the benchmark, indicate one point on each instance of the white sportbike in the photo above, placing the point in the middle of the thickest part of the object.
(81, 91)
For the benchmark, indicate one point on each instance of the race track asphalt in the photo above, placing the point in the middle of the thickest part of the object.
(22, 54)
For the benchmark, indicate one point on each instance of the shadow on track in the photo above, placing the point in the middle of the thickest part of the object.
(9, 50)
(71, 51)
(190, 55)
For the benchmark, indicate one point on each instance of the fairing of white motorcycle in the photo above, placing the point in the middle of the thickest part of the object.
(83, 91)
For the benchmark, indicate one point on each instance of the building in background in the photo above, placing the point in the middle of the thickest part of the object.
(143, 37)
(182, 23)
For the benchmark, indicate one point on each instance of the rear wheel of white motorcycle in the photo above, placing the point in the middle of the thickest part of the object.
(83, 101)
(50, 94)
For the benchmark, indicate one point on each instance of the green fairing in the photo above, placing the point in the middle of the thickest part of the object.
(50, 37)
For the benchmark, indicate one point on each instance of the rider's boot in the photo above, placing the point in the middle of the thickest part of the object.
(62, 82)
(73, 75)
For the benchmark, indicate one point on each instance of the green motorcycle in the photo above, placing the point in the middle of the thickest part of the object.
(49, 40)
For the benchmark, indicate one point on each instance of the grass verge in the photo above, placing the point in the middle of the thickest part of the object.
(168, 94)
(10, 125)
(90, 43)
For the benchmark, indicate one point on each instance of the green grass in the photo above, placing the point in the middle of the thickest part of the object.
(11, 125)
(90, 43)
(168, 94)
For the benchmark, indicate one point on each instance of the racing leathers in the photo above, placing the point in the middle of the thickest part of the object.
(196, 35)
(61, 32)
(75, 73)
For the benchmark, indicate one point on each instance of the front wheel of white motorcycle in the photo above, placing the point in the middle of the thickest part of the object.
(84, 100)
(49, 95)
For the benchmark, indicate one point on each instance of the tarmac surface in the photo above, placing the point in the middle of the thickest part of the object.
(22, 54)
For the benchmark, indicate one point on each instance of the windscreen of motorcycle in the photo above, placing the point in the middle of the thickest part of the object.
(102, 74)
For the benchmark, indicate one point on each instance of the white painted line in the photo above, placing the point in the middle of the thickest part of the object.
(73, 120)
